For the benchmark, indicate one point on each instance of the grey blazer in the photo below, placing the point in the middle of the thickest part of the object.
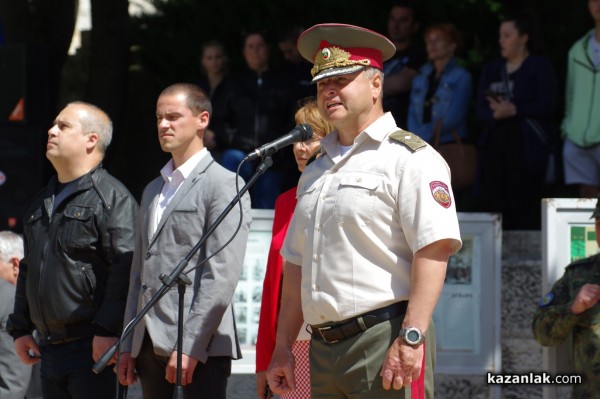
(14, 374)
(209, 325)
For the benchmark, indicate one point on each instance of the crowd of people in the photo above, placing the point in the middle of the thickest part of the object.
(255, 106)
(361, 238)
(430, 92)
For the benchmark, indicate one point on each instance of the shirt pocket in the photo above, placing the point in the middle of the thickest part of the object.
(186, 227)
(356, 197)
(31, 221)
(87, 283)
(306, 201)
(77, 230)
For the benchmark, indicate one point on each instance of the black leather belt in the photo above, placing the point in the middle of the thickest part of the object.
(339, 331)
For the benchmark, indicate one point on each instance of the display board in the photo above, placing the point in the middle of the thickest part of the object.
(467, 316)
(248, 294)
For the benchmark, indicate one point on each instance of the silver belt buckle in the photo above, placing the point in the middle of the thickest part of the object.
(321, 329)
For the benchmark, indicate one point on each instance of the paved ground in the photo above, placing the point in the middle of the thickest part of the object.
(241, 386)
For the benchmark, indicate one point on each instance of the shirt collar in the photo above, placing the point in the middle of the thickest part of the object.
(383, 126)
(184, 170)
(377, 130)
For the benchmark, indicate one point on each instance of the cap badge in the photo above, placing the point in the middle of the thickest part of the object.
(334, 57)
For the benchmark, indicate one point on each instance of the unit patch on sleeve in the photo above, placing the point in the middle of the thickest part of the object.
(546, 300)
(440, 193)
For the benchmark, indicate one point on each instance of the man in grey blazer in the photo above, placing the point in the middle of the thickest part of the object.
(176, 210)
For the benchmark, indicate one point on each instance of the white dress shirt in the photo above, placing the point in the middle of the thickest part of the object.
(173, 181)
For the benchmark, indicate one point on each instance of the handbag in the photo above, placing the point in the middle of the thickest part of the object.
(460, 157)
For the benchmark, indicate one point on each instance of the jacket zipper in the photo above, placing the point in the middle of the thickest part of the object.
(588, 66)
(42, 269)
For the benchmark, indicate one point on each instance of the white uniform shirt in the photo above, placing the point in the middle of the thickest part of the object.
(360, 218)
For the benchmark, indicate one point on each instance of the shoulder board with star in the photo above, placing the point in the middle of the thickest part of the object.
(410, 140)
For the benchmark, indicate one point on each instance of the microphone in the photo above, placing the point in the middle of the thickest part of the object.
(299, 133)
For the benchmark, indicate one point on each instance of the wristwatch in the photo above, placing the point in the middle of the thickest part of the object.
(413, 336)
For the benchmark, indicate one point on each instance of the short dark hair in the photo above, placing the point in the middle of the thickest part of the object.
(527, 23)
(290, 34)
(251, 32)
(196, 99)
(411, 4)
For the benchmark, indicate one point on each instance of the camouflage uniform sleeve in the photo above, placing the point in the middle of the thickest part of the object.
(553, 320)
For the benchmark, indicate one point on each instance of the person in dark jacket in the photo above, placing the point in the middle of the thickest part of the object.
(217, 84)
(258, 113)
(73, 281)
(516, 101)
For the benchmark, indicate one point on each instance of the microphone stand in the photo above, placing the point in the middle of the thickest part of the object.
(177, 276)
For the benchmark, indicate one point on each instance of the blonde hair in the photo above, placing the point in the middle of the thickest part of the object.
(309, 113)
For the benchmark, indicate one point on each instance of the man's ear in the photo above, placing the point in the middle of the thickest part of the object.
(376, 85)
(92, 141)
(203, 119)
(14, 262)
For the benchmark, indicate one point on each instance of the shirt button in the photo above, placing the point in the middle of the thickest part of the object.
(319, 227)
(147, 256)
(323, 197)
(316, 258)
(358, 179)
(322, 317)
(144, 287)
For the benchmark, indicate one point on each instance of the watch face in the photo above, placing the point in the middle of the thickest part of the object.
(412, 336)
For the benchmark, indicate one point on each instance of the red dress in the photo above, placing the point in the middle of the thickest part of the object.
(269, 308)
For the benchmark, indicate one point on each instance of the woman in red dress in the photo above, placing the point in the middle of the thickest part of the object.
(284, 208)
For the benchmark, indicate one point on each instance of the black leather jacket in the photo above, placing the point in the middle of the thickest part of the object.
(74, 278)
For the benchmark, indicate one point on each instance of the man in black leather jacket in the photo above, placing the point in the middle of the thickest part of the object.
(73, 281)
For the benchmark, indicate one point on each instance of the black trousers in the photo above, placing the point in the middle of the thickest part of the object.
(209, 380)
(66, 372)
